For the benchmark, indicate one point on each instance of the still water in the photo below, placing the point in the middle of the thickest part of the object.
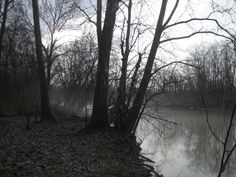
(188, 149)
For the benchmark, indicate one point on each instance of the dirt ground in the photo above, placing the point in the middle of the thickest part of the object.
(57, 150)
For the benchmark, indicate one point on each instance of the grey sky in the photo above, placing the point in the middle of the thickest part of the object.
(187, 9)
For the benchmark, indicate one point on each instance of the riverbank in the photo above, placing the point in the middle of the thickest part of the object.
(59, 151)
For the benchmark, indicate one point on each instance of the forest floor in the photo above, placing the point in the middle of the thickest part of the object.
(57, 150)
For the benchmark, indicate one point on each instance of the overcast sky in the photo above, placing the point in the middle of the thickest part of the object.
(187, 9)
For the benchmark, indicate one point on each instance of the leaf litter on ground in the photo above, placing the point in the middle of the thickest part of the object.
(57, 150)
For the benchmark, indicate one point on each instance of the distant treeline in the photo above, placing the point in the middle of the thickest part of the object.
(207, 78)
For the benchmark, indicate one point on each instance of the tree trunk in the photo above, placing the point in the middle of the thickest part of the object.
(134, 80)
(137, 104)
(99, 117)
(3, 75)
(3, 26)
(121, 109)
(99, 20)
(45, 108)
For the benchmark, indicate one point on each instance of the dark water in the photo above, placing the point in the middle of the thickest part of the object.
(188, 149)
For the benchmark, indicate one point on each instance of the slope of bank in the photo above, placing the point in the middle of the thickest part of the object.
(57, 150)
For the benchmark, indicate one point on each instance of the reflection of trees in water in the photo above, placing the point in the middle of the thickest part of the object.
(156, 125)
(159, 136)
(201, 148)
(204, 151)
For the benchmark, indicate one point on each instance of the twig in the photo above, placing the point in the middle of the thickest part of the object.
(146, 159)
(159, 118)
(209, 126)
(153, 125)
(207, 119)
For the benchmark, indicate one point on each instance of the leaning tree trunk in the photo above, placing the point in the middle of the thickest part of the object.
(100, 111)
(45, 108)
(137, 104)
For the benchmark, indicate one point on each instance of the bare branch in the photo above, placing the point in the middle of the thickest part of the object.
(85, 13)
(193, 34)
(174, 62)
(153, 125)
(159, 118)
(223, 161)
(172, 13)
(204, 19)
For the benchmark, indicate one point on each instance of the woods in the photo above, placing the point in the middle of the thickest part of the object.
(128, 87)
(111, 62)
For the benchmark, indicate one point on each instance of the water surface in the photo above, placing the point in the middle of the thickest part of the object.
(188, 149)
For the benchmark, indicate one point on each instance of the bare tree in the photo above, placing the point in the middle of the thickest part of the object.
(160, 30)
(3, 22)
(55, 15)
(100, 110)
(159, 37)
(45, 108)
(134, 111)
(125, 51)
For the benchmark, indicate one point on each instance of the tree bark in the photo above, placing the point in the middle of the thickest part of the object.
(45, 108)
(137, 104)
(99, 117)
(3, 25)
(3, 75)
(134, 80)
(99, 20)
(121, 98)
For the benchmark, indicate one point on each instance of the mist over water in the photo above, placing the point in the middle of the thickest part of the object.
(188, 149)
(77, 102)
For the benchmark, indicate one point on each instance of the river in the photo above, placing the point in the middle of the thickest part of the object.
(187, 149)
